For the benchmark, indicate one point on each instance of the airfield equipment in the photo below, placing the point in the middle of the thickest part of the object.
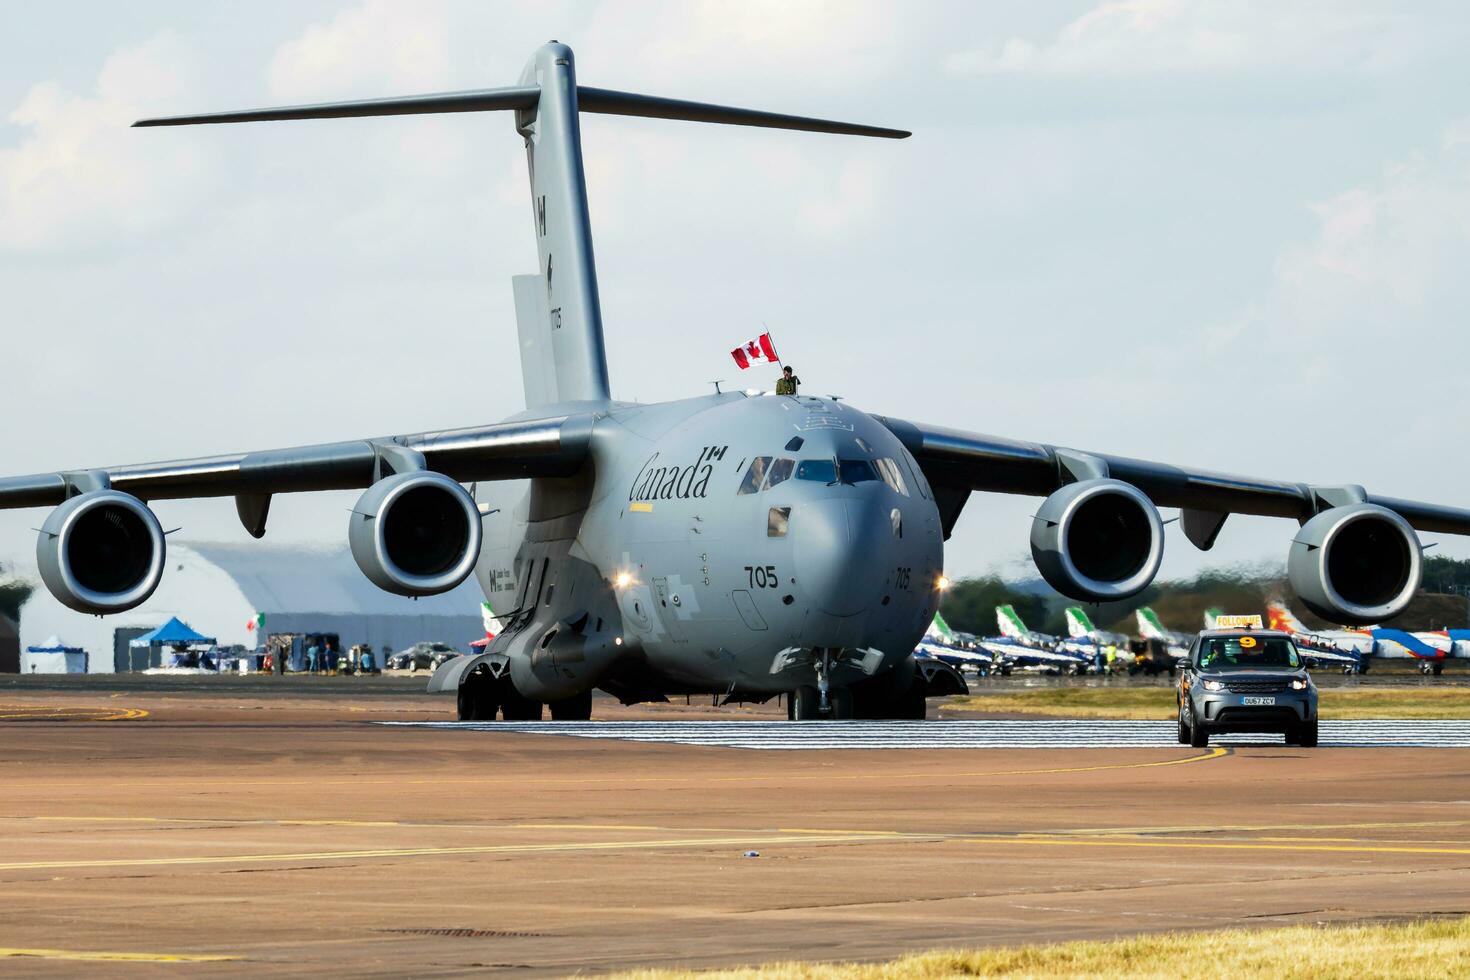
(743, 546)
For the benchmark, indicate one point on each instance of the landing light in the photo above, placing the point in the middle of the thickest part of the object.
(942, 583)
(622, 580)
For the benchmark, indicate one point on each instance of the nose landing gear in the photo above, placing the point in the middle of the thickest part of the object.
(805, 704)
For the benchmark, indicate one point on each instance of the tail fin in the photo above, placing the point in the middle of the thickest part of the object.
(1150, 628)
(939, 629)
(1211, 617)
(1278, 617)
(1078, 623)
(1010, 623)
(547, 103)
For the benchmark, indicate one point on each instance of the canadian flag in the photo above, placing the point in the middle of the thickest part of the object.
(759, 349)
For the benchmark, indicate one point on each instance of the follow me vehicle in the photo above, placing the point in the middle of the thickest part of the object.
(1246, 681)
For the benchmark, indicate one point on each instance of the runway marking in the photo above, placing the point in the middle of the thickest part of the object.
(693, 777)
(1049, 734)
(756, 839)
(846, 837)
(1064, 840)
(46, 712)
(114, 957)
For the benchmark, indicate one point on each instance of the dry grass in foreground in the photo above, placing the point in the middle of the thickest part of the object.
(1436, 948)
(1158, 702)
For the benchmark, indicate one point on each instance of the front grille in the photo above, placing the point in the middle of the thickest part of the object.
(1255, 687)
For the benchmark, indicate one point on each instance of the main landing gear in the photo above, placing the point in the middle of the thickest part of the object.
(1427, 668)
(483, 696)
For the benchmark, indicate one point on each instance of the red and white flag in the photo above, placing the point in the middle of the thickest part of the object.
(759, 349)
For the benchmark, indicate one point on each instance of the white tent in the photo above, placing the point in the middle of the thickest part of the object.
(220, 588)
(51, 656)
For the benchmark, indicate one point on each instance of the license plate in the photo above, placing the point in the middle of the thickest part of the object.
(1251, 702)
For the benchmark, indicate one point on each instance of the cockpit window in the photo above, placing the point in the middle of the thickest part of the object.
(892, 475)
(754, 476)
(780, 471)
(817, 470)
(857, 470)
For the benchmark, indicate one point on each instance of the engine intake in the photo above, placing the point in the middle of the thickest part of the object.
(1098, 540)
(415, 534)
(1356, 564)
(101, 552)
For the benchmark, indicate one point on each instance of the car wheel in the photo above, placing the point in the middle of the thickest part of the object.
(1307, 735)
(1183, 726)
(1198, 737)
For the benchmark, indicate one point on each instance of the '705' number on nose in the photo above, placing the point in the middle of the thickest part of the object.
(762, 576)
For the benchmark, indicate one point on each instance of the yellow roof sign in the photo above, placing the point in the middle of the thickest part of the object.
(1251, 621)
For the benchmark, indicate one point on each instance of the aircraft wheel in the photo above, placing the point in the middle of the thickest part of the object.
(578, 707)
(1436, 669)
(839, 700)
(804, 704)
(477, 701)
(516, 707)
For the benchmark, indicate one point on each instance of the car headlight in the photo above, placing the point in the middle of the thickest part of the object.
(1300, 684)
(1214, 685)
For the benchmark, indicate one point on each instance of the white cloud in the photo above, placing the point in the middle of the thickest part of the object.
(400, 47)
(1134, 37)
(80, 176)
(1392, 251)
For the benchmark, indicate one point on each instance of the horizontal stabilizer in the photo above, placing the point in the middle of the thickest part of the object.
(478, 100)
(527, 97)
(629, 104)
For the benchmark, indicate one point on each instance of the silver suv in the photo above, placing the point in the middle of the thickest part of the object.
(1246, 681)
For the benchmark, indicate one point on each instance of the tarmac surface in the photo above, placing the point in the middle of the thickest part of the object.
(238, 831)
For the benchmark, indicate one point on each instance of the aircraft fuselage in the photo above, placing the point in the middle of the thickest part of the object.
(706, 538)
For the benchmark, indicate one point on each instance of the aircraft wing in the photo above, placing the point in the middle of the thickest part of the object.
(957, 462)
(504, 451)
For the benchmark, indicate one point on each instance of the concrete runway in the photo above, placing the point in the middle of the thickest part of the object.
(291, 836)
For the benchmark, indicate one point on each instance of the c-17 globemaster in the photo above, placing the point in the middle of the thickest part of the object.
(744, 546)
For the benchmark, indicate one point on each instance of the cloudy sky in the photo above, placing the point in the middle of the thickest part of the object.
(1227, 234)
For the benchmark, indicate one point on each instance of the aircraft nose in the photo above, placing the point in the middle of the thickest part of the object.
(841, 552)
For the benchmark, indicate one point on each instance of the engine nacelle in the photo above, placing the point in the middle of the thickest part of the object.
(1098, 540)
(101, 552)
(1356, 564)
(415, 533)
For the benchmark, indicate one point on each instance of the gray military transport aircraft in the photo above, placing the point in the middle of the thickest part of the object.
(730, 544)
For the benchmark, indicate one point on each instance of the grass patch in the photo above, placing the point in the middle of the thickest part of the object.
(1337, 704)
(1434, 948)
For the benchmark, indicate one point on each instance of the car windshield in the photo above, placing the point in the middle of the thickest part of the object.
(1224, 653)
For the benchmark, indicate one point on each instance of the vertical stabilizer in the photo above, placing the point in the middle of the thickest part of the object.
(1079, 624)
(1278, 617)
(538, 357)
(1010, 624)
(1150, 628)
(563, 229)
(1211, 616)
(939, 630)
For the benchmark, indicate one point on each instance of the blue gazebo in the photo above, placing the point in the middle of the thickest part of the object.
(173, 633)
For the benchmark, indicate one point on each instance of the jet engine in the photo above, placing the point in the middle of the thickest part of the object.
(415, 533)
(101, 552)
(1098, 540)
(1355, 564)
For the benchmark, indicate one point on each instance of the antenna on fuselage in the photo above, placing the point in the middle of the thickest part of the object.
(571, 363)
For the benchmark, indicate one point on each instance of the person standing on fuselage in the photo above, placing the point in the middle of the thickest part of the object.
(786, 384)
